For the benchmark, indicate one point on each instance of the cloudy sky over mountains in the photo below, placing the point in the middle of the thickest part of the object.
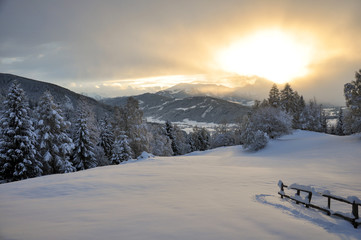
(128, 47)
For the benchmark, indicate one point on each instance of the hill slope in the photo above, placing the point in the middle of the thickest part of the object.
(185, 90)
(224, 193)
(34, 90)
(199, 109)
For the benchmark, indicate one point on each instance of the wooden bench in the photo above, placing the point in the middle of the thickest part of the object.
(353, 219)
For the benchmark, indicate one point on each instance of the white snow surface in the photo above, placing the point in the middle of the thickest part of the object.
(225, 193)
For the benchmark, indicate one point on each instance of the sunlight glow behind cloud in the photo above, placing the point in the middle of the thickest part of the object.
(96, 43)
(271, 54)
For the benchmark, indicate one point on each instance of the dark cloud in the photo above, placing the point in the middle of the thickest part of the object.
(91, 40)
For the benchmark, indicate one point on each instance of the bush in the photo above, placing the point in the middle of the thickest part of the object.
(255, 140)
(264, 123)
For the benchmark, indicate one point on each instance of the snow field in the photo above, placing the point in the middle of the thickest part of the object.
(225, 193)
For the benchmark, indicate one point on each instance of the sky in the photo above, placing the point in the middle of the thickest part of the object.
(119, 48)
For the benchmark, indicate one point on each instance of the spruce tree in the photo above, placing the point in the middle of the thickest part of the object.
(83, 154)
(352, 93)
(287, 99)
(299, 106)
(135, 129)
(121, 150)
(18, 155)
(274, 96)
(171, 134)
(311, 118)
(199, 139)
(55, 146)
(106, 138)
(339, 127)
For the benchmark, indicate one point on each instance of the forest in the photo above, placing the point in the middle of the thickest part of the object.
(51, 138)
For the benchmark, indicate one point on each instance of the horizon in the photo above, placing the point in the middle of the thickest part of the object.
(132, 47)
(207, 88)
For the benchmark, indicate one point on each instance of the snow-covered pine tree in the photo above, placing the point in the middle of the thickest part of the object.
(135, 129)
(83, 154)
(121, 150)
(17, 140)
(159, 142)
(106, 137)
(311, 117)
(67, 107)
(323, 119)
(287, 99)
(54, 145)
(299, 108)
(339, 127)
(199, 139)
(171, 134)
(133, 112)
(274, 96)
(180, 138)
(352, 93)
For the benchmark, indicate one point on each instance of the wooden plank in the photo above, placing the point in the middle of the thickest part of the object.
(302, 190)
(337, 198)
(354, 221)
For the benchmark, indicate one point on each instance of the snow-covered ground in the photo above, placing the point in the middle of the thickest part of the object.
(225, 193)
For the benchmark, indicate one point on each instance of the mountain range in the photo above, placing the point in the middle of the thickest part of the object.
(197, 108)
(195, 102)
(185, 90)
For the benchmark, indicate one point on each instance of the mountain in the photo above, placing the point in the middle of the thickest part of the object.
(185, 90)
(199, 108)
(34, 90)
(188, 104)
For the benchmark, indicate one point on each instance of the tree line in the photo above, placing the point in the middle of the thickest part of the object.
(285, 110)
(49, 138)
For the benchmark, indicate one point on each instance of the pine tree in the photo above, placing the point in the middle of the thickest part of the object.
(159, 142)
(287, 99)
(171, 134)
(55, 146)
(133, 112)
(299, 106)
(199, 139)
(135, 129)
(83, 154)
(68, 107)
(323, 119)
(17, 140)
(121, 150)
(106, 138)
(311, 118)
(352, 93)
(274, 96)
(339, 127)
(130, 120)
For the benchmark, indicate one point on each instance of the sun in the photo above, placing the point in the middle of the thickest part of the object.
(271, 54)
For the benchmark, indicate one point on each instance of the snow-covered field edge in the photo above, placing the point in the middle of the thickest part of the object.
(224, 193)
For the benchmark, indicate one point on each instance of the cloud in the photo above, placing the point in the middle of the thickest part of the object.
(92, 41)
(11, 60)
